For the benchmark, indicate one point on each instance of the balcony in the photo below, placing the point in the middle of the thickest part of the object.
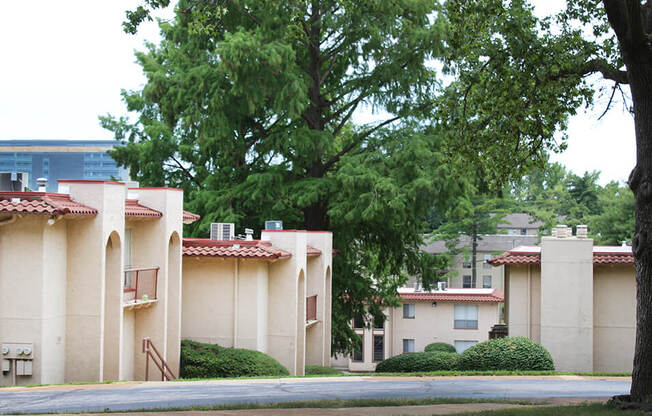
(311, 310)
(140, 287)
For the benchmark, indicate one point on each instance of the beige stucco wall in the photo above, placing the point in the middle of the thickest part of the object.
(524, 301)
(319, 283)
(567, 302)
(614, 317)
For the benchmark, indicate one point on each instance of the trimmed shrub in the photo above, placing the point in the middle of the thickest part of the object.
(439, 347)
(313, 370)
(516, 353)
(200, 360)
(418, 361)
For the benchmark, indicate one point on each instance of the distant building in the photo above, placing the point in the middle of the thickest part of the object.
(60, 159)
(519, 224)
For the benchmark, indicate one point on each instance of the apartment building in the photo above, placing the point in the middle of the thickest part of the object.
(516, 230)
(576, 299)
(272, 295)
(460, 317)
(85, 275)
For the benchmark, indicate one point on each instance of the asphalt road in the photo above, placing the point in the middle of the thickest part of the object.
(180, 394)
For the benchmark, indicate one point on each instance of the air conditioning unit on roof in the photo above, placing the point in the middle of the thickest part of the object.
(222, 231)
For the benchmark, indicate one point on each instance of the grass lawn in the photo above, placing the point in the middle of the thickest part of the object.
(581, 410)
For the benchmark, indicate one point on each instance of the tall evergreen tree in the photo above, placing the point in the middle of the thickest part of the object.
(249, 107)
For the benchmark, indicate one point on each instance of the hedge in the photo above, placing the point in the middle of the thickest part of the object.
(516, 353)
(200, 360)
(418, 362)
(439, 347)
(313, 370)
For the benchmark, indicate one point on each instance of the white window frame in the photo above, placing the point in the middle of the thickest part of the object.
(408, 311)
(484, 281)
(466, 317)
(409, 342)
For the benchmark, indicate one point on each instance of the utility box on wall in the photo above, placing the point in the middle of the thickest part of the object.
(22, 355)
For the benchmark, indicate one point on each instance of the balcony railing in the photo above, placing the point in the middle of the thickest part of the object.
(140, 285)
(311, 308)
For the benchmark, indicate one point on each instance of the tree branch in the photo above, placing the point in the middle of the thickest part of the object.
(186, 171)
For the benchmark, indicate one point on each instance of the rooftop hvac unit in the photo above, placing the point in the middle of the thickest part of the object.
(274, 225)
(222, 231)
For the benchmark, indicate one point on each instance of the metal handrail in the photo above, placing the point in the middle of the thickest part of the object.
(166, 372)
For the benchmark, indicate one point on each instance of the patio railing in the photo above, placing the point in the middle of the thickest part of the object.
(140, 284)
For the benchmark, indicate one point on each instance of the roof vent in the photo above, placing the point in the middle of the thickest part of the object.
(249, 234)
(441, 286)
(42, 184)
(274, 225)
(222, 231)
(418, 287)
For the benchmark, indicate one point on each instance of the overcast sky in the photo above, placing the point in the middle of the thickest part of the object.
(65, 62)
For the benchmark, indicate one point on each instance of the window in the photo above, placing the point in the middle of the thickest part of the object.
(466, 317)
(358, 322)
(408, 311)
(460, 346)
(468, 281)
(486, 281)
(408, 345)
(523, 231)
(486, 265)
(379, 347)
(466, 264)
(358, 351)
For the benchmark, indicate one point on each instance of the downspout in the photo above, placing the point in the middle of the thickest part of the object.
(529, 301)
(10, 220)
(236, 279)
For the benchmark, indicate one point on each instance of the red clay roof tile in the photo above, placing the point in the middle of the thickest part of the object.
(201, 247)
(42, 203)
(189, 217)
(311, 251)
(455, 295)
(134, 209)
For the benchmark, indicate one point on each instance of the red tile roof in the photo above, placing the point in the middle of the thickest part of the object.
(455, 295)
(41, 203)
(135, 209)
(510, 257)
(256, 249)
(189, 217)
(311, 251)
(601, 255)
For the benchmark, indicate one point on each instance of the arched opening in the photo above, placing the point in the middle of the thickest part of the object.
(301, 325)
(327, 318)
(174, 303)
(112, 308)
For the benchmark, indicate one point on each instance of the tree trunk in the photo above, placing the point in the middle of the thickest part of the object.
(641, 183)
(631, 22)
(474, 254)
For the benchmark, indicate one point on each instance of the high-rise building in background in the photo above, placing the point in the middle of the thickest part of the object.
(59, 159)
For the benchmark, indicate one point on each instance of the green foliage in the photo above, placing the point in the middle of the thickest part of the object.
(249, 107)
(419, 361)
(512, 353)
(200, 360)
(614, 223)
(439, 347)
(314, 370)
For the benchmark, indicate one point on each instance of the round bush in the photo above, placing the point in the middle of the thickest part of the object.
(418, 361)
(517, 353)
(209, 361)
(439, 347)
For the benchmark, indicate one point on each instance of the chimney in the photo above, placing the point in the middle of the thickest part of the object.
(42, 184)
(561, 231)
(582, 231)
